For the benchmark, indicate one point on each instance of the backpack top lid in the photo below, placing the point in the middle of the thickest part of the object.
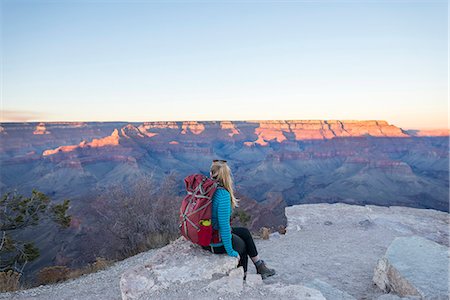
(199, 184)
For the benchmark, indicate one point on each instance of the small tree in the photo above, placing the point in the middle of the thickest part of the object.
(17, 213)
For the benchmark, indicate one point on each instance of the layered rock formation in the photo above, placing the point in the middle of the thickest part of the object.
(112, 140)
(193, 126)
(414, 266)
(228, 125)
(319, 130)
(250, 133)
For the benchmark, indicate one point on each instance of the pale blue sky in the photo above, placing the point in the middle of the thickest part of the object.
(216, 60)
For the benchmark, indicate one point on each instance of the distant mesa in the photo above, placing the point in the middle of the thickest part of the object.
(193, 126)
(60, 149)
(41, 129)
(228, 125)
(321, 130)
(147, 127)
(131, 131)
(146, 133)
(112, 140)
(160, 125)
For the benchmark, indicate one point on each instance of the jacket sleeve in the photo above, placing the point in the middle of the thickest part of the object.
(223, 216)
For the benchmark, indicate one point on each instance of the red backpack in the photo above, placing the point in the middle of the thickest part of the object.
(196, 210)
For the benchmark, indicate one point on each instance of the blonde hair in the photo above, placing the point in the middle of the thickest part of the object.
(221, 172)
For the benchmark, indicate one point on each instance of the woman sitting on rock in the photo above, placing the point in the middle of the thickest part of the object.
(238, 241)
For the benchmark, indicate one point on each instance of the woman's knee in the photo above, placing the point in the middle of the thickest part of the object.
(242, 232)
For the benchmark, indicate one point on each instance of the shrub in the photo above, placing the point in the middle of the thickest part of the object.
(265, 233)
(52, 274)
(99, 264)
(9, 281)
(242, 216)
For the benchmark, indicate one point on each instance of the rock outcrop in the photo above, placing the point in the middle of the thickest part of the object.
(179, 263)
(182, 270)
(112, 140)
(414, 266)
(193, 126)
(330, 292)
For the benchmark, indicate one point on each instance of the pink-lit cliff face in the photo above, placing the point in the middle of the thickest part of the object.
(229, 126)
(192, 126)
(320, 130)
(149, 128)
(112, 140)
(257, 132)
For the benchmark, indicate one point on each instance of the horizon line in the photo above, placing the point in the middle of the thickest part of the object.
(236, 120)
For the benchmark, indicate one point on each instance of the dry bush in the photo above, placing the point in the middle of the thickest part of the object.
(139, 216)
(99, 264)
(9, 281)
(265, 232)
(52, 274)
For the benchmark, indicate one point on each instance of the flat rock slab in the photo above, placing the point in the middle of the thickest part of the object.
(295, 292)
(395, 297)
(233, 283)
(328, 291)
(414, 266)
(178, 263)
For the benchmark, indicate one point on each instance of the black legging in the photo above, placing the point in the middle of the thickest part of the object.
(242, 242)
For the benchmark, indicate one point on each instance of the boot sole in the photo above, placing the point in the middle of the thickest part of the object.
(267, 275)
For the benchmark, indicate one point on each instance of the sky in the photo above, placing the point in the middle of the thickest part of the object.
(142, 60)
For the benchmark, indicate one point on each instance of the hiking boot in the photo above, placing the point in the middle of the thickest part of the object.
(264, 271)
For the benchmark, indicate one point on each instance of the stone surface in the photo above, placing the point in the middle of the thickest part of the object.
(414, 266)
(294, 291)
(345, 253)
(329, 291)
(275, 235)
(396, 297)
(231, 284)
(177, 263)
(253, 280)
